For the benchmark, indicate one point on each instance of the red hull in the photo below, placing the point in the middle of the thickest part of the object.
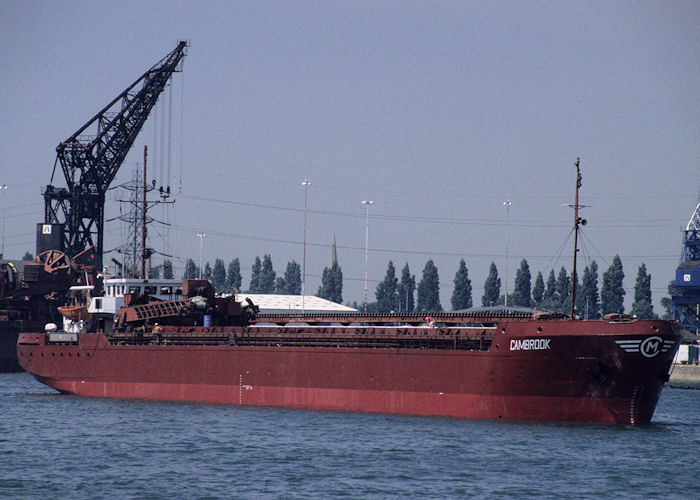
(549, 371)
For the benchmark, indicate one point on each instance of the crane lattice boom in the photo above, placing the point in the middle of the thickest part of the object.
(90, 162)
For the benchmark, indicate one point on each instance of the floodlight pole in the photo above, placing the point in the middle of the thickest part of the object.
(306, 183)
(366, 203)
(507, 204)
(201, 240)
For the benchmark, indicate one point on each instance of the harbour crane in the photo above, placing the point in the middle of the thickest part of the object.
(685, 295)
(74, 216)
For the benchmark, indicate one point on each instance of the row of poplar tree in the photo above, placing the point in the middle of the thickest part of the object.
(404, 295)
(263, 277)
(553, 295)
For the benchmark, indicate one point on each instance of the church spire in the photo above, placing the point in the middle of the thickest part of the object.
(334, 255)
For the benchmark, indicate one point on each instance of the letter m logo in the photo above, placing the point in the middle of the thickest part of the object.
(650, 347)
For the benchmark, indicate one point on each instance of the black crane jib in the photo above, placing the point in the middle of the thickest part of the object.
(90, 163)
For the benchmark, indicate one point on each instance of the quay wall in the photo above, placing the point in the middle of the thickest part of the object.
(685, 376)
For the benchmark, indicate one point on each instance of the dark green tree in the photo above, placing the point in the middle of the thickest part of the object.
(550, 293)
(153, 272)
(523, 281)
(538, 290)
(406, 289)
(371, 308)
(255, 276)
(191, 270)
(332, 284)
(386, 292)
(668, 306)
(292, 279)
(550, 299)
(564, 291)
(233, 275)
(168, 273)
(207, 272)
(587, 300)
(577, 310)
(338, 280)
(267, 275)
(27, 256)
(462, 294)
(327, 288)
(689, 310)
(612, 294)
(429, 289)
(219, 275)
(642, 307)
(492, 287)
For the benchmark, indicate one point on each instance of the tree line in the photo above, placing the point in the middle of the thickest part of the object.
(404, 294)
(263, 278)
(555, 294)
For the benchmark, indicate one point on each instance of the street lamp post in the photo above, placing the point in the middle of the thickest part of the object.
(3, 189)
(366, 203)
(201, 240)
(306, 183)
(507, 204)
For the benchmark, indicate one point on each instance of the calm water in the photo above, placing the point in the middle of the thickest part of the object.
(54, 446)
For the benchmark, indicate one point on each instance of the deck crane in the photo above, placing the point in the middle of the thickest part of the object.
(74, 216)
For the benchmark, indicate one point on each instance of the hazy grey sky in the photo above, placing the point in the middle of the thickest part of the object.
(437, 111)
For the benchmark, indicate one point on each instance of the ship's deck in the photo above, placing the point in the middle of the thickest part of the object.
(474, 337)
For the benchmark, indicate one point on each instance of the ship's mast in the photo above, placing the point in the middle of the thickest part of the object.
(577, 221)
(145, 251)
(143, 217)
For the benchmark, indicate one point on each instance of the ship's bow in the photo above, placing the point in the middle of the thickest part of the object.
(643, 363)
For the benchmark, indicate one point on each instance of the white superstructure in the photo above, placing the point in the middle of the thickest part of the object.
(105, 308)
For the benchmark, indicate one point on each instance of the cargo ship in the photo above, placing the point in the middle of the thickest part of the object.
(492, 363)
(489, 364)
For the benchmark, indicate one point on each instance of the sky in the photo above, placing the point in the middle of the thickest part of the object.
(436, 111)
